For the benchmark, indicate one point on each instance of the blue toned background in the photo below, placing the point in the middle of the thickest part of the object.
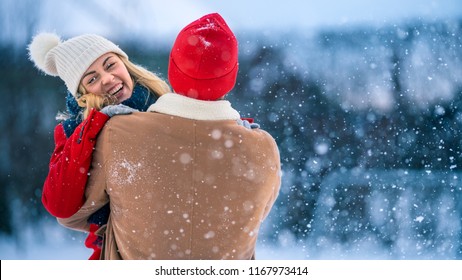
(363, 98)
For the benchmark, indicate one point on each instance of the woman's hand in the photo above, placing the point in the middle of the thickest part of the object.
(120, 109)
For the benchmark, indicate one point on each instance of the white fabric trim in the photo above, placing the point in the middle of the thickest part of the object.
(186, 107)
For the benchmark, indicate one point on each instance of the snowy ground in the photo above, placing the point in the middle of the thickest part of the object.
(50, 241)
(53, 242)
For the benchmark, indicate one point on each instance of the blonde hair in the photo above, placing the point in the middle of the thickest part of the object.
(146, 78)
(139, 74)
(94, 101)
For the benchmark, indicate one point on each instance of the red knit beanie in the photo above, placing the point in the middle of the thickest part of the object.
(204, 59)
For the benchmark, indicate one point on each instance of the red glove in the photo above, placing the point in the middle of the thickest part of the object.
(250, 120)
(94, 242)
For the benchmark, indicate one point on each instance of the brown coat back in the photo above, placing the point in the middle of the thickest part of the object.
(181, 188)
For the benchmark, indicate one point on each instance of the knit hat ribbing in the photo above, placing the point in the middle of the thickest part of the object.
(204, 59)
(69, 59)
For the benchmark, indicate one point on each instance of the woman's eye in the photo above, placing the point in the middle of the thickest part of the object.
(109, 65)
(91, 80)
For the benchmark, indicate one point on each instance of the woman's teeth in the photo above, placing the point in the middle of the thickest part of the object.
(115, 90)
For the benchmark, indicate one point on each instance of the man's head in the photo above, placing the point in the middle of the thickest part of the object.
(204, 59)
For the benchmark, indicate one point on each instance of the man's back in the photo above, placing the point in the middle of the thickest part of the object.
(182, 188)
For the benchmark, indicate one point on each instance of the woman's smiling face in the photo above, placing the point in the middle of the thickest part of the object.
(108, 75)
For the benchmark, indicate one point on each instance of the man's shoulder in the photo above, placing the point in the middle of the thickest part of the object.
(135, 121)
(134, 117)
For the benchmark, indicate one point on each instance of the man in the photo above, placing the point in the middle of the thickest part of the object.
(185, 180)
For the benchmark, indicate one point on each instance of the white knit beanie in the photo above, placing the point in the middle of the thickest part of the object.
(69, 59)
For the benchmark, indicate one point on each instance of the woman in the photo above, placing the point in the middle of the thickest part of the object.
(87, 64)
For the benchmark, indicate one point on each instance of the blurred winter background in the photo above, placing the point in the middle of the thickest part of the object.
(363, 97)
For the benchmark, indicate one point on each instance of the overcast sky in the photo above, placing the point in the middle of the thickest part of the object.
(164, 19)
(313, 13)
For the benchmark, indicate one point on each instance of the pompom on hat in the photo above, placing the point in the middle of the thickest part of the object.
(69, 59)
(203, 61)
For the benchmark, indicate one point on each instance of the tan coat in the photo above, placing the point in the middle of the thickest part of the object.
(187, 183)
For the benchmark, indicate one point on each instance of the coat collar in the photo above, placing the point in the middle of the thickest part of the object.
(186, 107)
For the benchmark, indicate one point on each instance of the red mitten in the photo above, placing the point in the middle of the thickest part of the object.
(250, 120)
(94, 242)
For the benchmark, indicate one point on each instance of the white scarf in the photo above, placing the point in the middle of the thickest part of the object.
(186, 107)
